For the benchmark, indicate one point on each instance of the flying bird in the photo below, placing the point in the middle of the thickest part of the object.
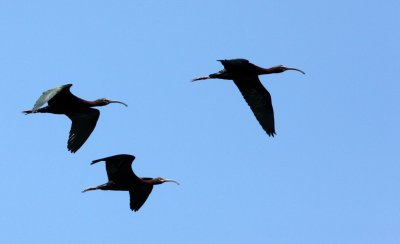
(122, 178)
(245, 75)
(84, 118)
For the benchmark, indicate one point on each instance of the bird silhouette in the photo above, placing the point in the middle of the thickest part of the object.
(122, 178)
(245, 76)
(84, 118)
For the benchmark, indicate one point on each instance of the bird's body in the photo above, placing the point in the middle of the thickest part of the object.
(84, 118)
(122, 178)
(245, 76)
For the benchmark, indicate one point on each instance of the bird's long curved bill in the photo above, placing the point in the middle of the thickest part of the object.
(297, 70)
(201, 78)
(170, 180)
(126, 105)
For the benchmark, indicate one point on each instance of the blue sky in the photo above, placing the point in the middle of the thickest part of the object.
(329, 176)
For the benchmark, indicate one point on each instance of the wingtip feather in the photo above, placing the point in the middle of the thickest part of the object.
(72, 149)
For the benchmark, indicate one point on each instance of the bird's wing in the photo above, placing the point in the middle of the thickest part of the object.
(50, 94)
(139, 195)
(259, 100)
(83, 124)
(234, 63)
(119, 168)
(239, 66)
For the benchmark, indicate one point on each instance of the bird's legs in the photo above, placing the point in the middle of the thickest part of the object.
(222, 74)
(107, 186)
(201, 78)
(40, 110)
(27, 111)
(90, 189)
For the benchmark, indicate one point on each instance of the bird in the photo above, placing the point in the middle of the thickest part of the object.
(245, 76)
(84, 118)
(122, 178)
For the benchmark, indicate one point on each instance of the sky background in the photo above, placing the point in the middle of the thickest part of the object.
(330, 176)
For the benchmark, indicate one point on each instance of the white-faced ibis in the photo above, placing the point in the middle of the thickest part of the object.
(245, 75)
(60, 100)
(122, 178)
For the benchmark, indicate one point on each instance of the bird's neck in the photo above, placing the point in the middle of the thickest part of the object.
(151, 181)
(94, 103)
(272, 70)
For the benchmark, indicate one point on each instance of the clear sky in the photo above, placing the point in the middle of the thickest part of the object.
(331, 174)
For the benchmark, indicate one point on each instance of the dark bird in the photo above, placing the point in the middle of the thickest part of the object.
(122, 178)
(84, 118)
(245, 75)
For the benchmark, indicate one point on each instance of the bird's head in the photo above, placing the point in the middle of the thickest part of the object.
(105, 101)
(160, 180)
(281, 68)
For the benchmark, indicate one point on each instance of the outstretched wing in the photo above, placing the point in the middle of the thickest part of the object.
(233, 64)
(119, 168)
(239, 66)
(259, 100)
(50, 94)
(139, 195)
(83, 124)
